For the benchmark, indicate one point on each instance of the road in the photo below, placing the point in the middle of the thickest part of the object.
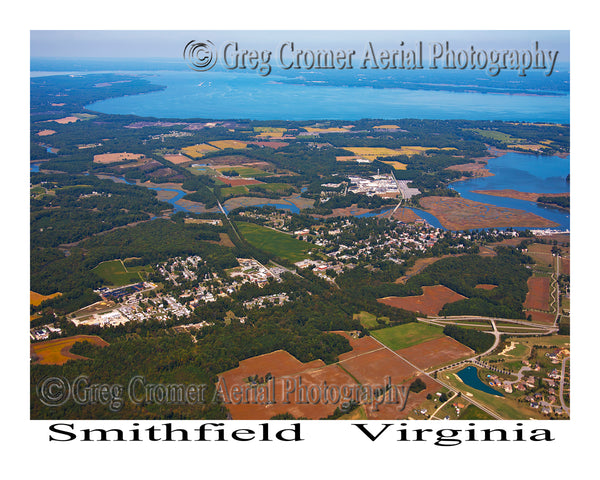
(562, 385)
(449, 387)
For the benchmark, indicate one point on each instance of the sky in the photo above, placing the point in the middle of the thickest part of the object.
(169, 44)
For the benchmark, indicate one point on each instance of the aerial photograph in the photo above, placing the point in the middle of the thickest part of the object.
(311, 225)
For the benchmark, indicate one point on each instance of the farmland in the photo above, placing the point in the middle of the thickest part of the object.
(407, 335)
(436, 352)
(57, 352)
(430, 302)
(280, 244)
(115, 273)
(36, 298)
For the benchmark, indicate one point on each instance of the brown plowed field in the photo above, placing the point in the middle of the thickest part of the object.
(541, 317)
(374, 367)
(486, 286)
(538, 295)
(178, 158)
(391, 411)
(57, 351)
(429, 303)
(288, 374)
(436, 352)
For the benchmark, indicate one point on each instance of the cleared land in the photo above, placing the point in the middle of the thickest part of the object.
(430, 302)
(486, 286)
(456, 213)
(45, 133)
(538, 296)
(199, 150)
(177, 158)
(439, 351)
(478, 169)
(407, 335)
(115, 273)
(36, 298)
(223, 144)
(280, 244)
(106, 158)
(57, 352)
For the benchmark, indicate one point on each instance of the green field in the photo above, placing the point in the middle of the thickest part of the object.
(503, 137)
(272, 187)
(280, 244)
(114, 273)
(403, 336)
(368, 320)
(474, 413)
(245, 171)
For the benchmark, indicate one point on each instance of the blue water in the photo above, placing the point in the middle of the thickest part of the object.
(525, 173)
(431, 219)
(230, 95)
(34, 167)
(469, 376)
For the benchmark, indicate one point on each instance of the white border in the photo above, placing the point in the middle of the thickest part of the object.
(332, 448)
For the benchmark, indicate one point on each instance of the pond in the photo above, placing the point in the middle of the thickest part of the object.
(469, 376)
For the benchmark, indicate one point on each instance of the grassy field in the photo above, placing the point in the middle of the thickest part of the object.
(280, 244)
(494, 134)
(115, 273)
(474, 413)
(407, 335)
(368, 320)
(245, 171)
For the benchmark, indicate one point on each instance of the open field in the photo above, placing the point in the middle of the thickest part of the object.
(223, 144)
(45, 133)
(177, 158)
(107, 158)
(528, 196)
(270, 144)
(36, 298)
(368, 320)
(538, 295)
(115, 273)
(327, 129)
(396, 165)
(436, 352)
(244, 171)
(65, 120)
(496, 135)
(407, 335)
(430, 302)
(199, 150)
(280, 244)
(371, 153)
(456, 213)
(478, 169)
(418, 267)
(374, 367)
(287, 372)
(57, 352)
(486, 286)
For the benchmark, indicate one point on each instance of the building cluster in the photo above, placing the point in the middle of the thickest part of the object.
(382, 185)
